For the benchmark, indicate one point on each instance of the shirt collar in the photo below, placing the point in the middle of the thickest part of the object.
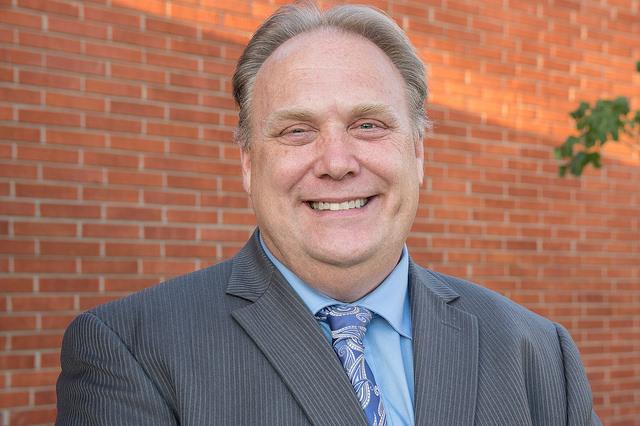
(390, 300)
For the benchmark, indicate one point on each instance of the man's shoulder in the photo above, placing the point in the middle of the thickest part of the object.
(170, 303)
(494, 311)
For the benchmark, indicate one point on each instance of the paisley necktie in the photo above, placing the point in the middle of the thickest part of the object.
(348, 326)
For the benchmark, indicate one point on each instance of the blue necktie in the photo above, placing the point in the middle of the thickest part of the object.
(348, 325)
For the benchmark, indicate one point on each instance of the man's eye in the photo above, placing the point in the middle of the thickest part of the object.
(367, 126)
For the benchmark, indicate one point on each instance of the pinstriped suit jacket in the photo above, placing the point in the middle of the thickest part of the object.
(233, 345)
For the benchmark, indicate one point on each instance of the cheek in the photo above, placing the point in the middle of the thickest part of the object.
(279, 171)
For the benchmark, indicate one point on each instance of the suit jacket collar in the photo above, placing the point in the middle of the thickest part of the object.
(445, 345)
(290, 338)
(445, 352)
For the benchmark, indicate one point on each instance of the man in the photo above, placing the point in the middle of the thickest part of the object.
(322, 318)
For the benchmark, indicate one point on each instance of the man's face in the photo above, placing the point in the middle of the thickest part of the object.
(333, 171)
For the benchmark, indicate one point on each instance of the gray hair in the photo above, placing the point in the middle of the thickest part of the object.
(368, 22)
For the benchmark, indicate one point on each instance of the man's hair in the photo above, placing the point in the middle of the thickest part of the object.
(368, 22)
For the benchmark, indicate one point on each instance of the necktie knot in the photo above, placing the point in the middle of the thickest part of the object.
(346, 322)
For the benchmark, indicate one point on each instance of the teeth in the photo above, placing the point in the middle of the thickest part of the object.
(345, 205)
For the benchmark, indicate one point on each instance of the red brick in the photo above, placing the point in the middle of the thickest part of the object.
(169, 233)
(185, 97)
(75, 27)
(14, 399)
(73, 285)
(14, 322)
(137, 37)
(75, 102)
(113, 88)
(170, 27)
(15, 56)
(197, 116)
(195, 149)
(109, 194)
(192, 182)
(17, 171)
(33, 416)
(198, 82)
(16, 362)
(46, 191)
(70, 211)
(137, 144)
(73, 64)
(69, 248)
(172, 61)
(195, 47)
(113, 124)
(191, 216)
(15, 285)
(109, 266)
(42, 228)
(191, 250)
(17, 208)
(137, 73)
(41, 303)
(19, 96)
(216, 66)
(134, 178)
(54, 321)
(133, 213)
(175, 130)
(36, 378)
(15, 133)
(49, 117)
(72, 174)
(112, 17)
(132, 249)
(20, 19)
(88, 302)
(60, 137)
(110, 230)
(167, 267)
(164, 198)
(50, 6)
(114, 160)
(236, 235)
(40, 153)
(49, 79)
(16, 247)
(113, 52)
(127, 284)
(218, 102)
(145, 110)
(45, 397)
(49, 42)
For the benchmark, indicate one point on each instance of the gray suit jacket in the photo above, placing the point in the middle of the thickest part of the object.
(234, 345)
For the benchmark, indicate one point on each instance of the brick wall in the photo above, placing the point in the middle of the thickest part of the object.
(117, 168)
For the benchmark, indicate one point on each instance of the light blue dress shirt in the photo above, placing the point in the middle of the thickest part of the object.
(388, 347)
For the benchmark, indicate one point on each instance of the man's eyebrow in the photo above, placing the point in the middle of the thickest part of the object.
(358, 111)
(363, 110)
(296, 114)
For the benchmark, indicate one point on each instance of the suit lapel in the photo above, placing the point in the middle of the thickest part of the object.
(445, 353)
(283, 329)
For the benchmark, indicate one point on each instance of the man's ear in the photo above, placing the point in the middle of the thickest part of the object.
(245, 160)
(419, 147)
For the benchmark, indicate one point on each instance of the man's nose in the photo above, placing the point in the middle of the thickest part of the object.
(336, 156)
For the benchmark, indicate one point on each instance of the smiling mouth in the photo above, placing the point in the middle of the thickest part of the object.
(345, 205)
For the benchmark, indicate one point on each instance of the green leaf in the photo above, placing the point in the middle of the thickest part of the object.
(638, 66)
(562, 170)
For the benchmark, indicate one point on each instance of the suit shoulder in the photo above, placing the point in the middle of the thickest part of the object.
(176, 297)
(493, 309)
